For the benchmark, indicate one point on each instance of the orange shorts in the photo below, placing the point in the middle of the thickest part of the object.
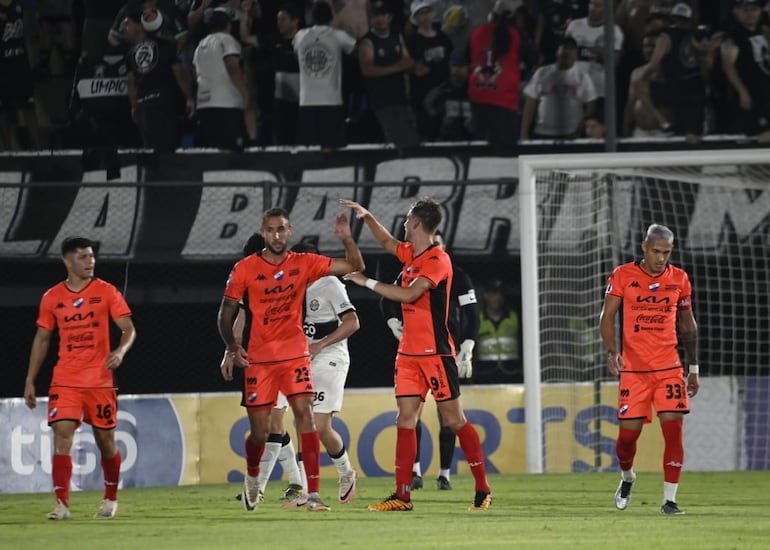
(638, 391)
(416, 375)
(263, 381)
(95, 406)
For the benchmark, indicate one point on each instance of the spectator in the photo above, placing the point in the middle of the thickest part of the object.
(458, 18)
(384, 61)
(745, 64)
(172, 28)
(588, 32)
(680, 61)
(552, 19)
(319, 50)
(495, 75)
(155, 78)
(55, 30)
(17, 103)
(561, 95)
(497, 347)
(98, 17)
(262, 25)
(286, 67)
(100, 113)
(430, 48)
(645, 115)
(450, 102)
(223, 103)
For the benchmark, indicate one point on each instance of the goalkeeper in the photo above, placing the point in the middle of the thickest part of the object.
(463, 323)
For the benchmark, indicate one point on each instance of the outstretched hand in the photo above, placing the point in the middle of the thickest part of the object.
(359, 210)
(356, 277)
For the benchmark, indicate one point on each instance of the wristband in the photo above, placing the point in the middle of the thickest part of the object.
(694, 369)
(370, 283)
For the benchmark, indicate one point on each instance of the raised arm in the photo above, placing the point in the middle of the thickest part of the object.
(353, 261)
(382, 235)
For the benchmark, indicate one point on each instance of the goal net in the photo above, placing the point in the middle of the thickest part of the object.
(582, 215)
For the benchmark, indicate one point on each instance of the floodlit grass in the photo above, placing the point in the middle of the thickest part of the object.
(723, 510)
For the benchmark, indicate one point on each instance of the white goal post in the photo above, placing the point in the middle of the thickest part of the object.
(670, 185)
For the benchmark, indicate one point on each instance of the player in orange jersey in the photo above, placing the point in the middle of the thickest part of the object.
(82, 386)
(272, 286)
(655, 297)
(426, 352)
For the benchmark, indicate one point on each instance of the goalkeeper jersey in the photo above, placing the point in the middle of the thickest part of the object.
(83, 321)
(649, 315)
(273, 296)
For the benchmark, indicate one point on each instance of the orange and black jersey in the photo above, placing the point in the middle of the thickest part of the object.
(425, 320)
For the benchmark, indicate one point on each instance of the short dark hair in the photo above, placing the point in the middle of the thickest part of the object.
(71, 244)
(220, 20)
(429, 212)
(275, 211)
(291, 9)
(255, 243)
(321, 13)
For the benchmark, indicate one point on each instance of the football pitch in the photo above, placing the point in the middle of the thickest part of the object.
(723, 510)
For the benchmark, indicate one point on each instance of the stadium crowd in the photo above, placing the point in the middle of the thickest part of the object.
(233, 73)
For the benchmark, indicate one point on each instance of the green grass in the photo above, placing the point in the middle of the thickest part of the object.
(723, 510)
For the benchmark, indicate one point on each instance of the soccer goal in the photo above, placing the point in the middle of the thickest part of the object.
(581, 215)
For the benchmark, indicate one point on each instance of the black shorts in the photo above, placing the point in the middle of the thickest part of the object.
(322, 125)
(221, 128)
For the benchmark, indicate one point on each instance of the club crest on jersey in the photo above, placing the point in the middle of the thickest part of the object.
(314, 305)
(654, 287)
(623, 410)
(278, 276)
(252, 397)
(78, 302)
(608, 289)
(53, 412)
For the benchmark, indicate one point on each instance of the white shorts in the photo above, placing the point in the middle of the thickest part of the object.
(330, 370)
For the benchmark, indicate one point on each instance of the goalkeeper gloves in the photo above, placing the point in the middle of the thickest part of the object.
(396, 327)
(464, 359)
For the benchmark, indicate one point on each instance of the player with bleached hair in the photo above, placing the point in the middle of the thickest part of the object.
(655, 297)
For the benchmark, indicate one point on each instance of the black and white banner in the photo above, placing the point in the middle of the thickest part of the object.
(202, 206)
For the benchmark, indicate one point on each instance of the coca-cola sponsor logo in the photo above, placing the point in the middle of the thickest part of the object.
(651, 319)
